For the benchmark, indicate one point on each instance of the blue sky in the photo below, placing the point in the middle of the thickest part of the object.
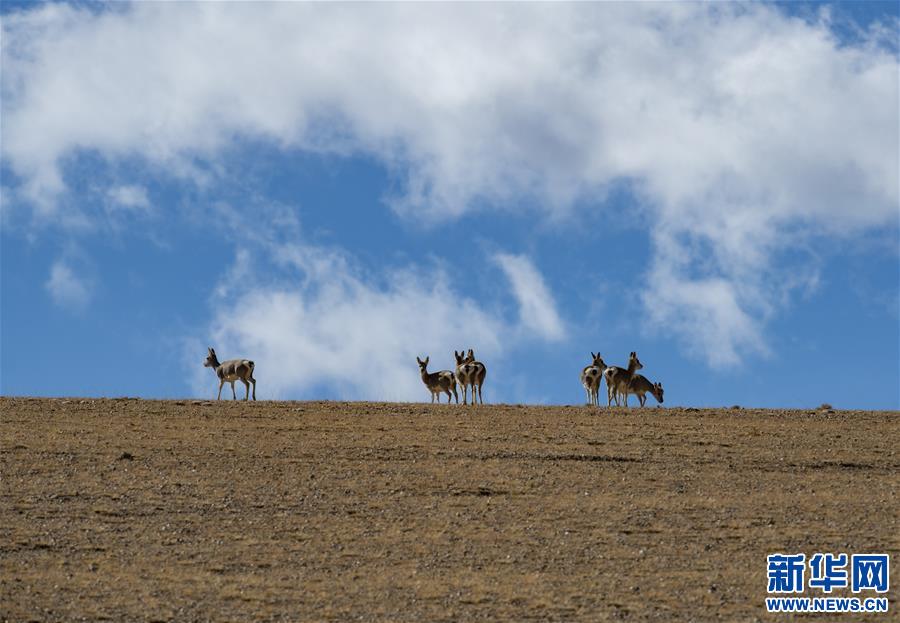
(335, 190)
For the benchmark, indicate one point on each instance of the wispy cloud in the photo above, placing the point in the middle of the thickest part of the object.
(537, 309)
(129, 197)
(733, 123)
(67, 289)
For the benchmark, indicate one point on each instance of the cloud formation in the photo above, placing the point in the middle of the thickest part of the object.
(741, 131)
(128, 197)
(325, 323)
(67, 289)
(537, 309)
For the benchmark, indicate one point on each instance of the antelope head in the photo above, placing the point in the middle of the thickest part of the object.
(633, 362)
(211, 360)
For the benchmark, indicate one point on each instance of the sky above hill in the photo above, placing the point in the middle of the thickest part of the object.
(332, 190)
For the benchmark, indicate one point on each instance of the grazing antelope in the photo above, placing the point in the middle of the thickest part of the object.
(231, 371)
(639, 386)
(591, 376)
(469, 372)
(438, 382)
(617, 379)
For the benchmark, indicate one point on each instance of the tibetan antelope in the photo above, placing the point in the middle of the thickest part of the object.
(639, 386)
(480, 374)
(617, 379)
(231, 371)
(438, 382)
(590, 378)
(470, 372)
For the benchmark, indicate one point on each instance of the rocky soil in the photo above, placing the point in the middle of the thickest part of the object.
(144, 510)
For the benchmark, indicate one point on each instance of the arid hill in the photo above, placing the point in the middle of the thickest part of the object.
(142, 510)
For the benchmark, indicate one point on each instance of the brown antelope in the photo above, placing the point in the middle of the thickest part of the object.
(639, 386)
(469, 372)
(590, 378)
(617, 379)
(438, 382)
(231, 371)
(480, 374)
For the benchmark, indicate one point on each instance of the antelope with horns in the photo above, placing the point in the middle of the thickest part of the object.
(639, 386)
(617, 379)
(438, 382)
(470, 372)
(231, 371)
(590, 378)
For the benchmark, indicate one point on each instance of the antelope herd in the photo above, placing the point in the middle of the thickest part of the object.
(619, 381)
(469, 372)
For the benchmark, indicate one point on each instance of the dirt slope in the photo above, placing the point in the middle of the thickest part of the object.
(159, 510)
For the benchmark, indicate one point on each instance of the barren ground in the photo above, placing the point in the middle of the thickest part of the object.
(139, 510)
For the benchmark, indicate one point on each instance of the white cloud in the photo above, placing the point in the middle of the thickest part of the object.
(325, 323)
(67, 289)
(129, 197)
(537, 308)
(710, 314)
(733, 122)
(469, 101)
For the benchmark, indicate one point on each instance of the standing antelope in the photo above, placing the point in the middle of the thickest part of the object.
(438, 382)
(480, 374)
(639, 386)
(231, 371)
(617, 379)
(590, 378)
(469, 372)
